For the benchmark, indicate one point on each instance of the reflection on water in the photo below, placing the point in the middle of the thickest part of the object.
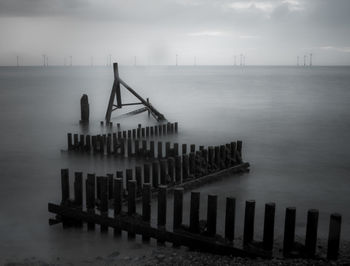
(294, 123)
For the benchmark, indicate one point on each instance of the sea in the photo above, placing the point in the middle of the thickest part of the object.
(294, 123)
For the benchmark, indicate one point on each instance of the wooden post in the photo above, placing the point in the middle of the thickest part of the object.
(81, 142)
(65, 186)
(144, 148)
(217, 157)
(137, 148)
(104, 202)
(138, 132)
(69, 139)
(172, 127)
(228, 155)
(124, 134)
(151, 149)
(110, 186)
(211, 162)
(222, 156)
(129, 148)
(138, 176)
(289, 231)
(160, 130)
(88, 143)
(146, 206)
(193, 148)
(143, 133)
(198, 162)
(167, 149)
(249, 222)
(178, 206)
(90, 198)
(230, 219)
(94, 144)
(163, 167)
(122, 147)
(76, 141)
(176, 149)
(176, 127)
(134, 133)
(156, 130)
(160, 150)
(178, 169)
(164, 129)
(129, 134)
(233, 153)
(171, 169)
(115, 143)
(239, 147)
(147, 132)
(151, 131)
(185, 167)
(131, 202)
(311, 232)
(128, 173)
(78, 194)
(269, 225)
(192, 163)
(334, 236)
(194, 212)
(155, 174)
(109, 143)
(162, 206)
(146, 173)
(118, 199)
(184, 148)
(211, 214)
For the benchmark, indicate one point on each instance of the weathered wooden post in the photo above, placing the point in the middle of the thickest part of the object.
(151, 149)
(162, 206)
(146, 173)
(184, 148)
(164, 129)
(171, 169)
(88, 143)
(146, 206)
(134, 133)
(178, 169)
(81, 142)
(151, 131)
(311, 232)
(109, 143)
(269, 225)
(69, 139)
(194, 212)
(118, 198)
(147, 132)
(217, 157)
(122, 147)
(248, 234)
(137, 148)
(233, 153)
(90, 198)
(155, 174)
(211, 162)
(156, 130)
(222, 156)
(128, 174)
(160, 150)
(193, 148)
(289, 231)
(230, 219)
(84, 109)
(65, 186)
(144, 148)
(185, 167)
(78, 194)
(239, 147)
(124, 134)
(131, 202)
(176, 127)
(129, 134)
(334, 236)
(176, 149)
(138, 177)
(192, 163)
(129, 148)
(160, 130)
(104, 202)
(76, 141)
(143, 133)
(167, 149)
(178, 206)
(163, 167)
(138, 132)
(211, 214)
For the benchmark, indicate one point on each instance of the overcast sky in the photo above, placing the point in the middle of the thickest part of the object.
(266, 32)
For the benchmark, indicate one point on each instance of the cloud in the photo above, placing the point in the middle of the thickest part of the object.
(206, 33)
(344, 49)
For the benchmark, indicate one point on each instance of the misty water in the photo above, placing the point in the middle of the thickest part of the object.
(294, 123)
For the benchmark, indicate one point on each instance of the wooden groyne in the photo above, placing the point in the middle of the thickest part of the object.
(197, 234)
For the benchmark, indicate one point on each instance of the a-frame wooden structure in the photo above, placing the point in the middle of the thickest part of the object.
(115, 93)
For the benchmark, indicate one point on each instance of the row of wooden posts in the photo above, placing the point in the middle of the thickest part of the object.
(198, 234)
(112, 142)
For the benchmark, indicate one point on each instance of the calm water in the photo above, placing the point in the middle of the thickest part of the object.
(294, 123)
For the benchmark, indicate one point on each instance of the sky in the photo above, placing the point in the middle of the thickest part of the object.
(273, 32)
